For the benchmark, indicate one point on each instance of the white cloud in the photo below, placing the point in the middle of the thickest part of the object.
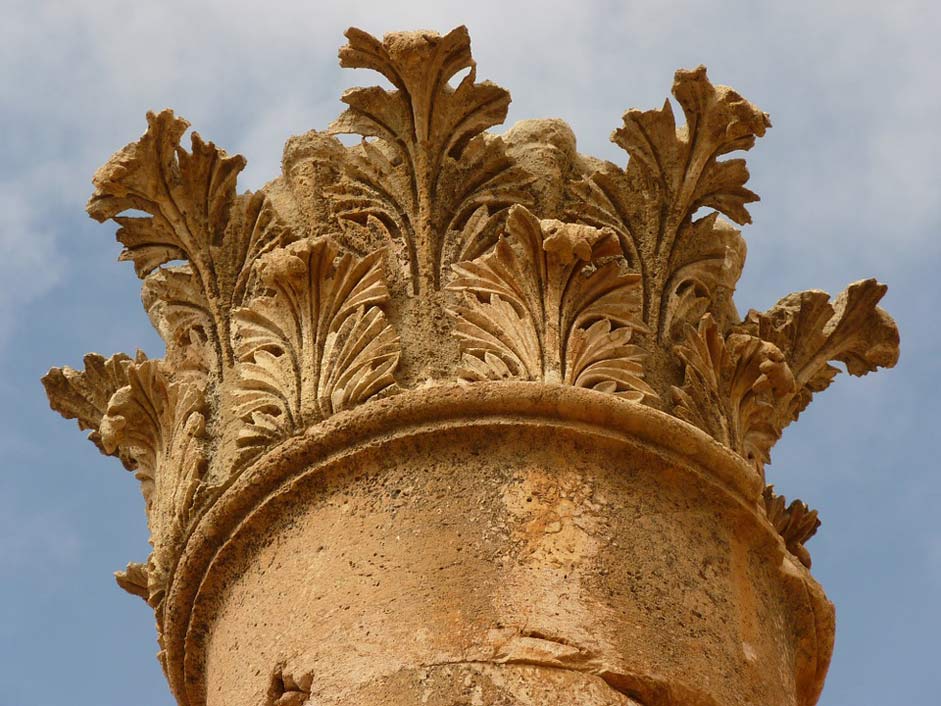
(29, 263)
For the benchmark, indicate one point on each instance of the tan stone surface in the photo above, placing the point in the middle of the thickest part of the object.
(455, 418)
(536, 531)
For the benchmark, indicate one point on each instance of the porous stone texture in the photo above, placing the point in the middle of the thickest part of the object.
(499, 557)
(457, 418)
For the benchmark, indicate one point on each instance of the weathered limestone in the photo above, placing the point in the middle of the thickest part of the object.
(455, 418)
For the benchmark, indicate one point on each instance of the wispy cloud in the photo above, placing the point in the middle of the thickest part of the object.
(29, 264)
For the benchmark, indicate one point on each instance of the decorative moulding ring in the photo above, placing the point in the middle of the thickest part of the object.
(420, 413)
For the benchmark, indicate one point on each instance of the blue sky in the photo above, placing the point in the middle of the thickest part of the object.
(850, 182)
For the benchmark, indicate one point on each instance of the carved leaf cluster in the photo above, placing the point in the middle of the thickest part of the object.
(83, 395)
(314, 343)
(729, 389)
(194, 216)
(745, 386)
(796, 523)
(269, 332)
(687, 266)
(431, 168)
(134, 580)
(812, 332)
(161, 425)
(531, 310)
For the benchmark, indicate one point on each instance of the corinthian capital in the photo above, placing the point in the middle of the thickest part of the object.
(454, 417)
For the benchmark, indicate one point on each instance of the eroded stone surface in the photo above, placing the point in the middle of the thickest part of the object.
(525, 545)
(533, 296)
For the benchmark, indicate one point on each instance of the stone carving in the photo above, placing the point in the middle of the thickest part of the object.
(796, 522)
(743, 388)
(730, 384)
(195, 216)
(161, 425)
(316, 344)
(811, 332)
(286, 690)
(134, 580)
(530, 311)
(687, 266)
(84, 395)
(432, 168)
(435, 255)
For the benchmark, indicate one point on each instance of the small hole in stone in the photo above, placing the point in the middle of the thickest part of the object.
(458, 77)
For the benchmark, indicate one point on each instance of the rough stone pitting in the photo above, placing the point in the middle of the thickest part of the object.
(439, 281)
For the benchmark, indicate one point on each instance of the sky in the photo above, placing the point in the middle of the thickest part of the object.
(850, 183)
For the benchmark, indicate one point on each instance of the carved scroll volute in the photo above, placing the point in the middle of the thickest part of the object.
(530, 309)
(431, 169)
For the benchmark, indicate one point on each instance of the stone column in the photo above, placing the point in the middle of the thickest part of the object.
(451, 418)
